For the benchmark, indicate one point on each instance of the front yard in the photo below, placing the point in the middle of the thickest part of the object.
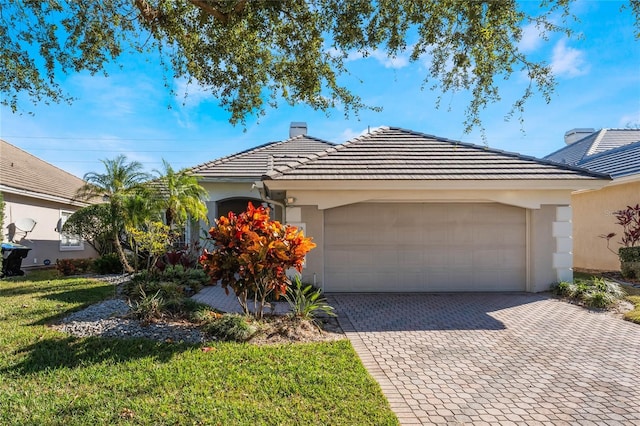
(47, 377)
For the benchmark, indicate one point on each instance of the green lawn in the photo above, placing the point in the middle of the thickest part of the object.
(47, 377)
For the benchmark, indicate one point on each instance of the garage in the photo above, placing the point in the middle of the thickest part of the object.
(425, 247)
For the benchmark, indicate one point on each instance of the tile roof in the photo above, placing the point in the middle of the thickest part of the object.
(603, 151)
(618, 162)
(392, 153)
(255, 162)
(22, 171)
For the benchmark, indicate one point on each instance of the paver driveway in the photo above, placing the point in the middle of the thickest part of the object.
(495, 358)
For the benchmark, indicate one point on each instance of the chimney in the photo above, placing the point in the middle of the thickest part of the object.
(297, 128)
(574, 135)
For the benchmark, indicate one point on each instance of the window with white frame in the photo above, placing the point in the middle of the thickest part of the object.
(68, 241)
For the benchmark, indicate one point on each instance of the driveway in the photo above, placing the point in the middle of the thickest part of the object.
(495, 358)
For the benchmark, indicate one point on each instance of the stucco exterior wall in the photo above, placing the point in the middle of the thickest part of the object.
(44, 240)
(541, 248)
(592, 217)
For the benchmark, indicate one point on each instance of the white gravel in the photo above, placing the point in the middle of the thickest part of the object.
(108, 319)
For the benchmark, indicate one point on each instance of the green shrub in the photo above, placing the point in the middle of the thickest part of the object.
(148, 307)
(305, 301)
(629, 254)
(562, 288)
(172, 282)
(598, 299)
(231, 327)
(202, 313)
(595, 292)
(108, 264)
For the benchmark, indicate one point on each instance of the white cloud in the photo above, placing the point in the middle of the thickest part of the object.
(399, 61)
(349, 133)
(567, 61)
(531, 38)
(190, 93)
(631, 120)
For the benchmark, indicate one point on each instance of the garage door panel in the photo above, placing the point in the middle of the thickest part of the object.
(425, 247)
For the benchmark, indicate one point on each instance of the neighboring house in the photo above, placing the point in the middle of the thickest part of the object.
(230, 180)
(401, 211)
(615, 152)
(38, 198)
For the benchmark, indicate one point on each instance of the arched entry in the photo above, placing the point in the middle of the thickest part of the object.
(236, 205)
(239, 204)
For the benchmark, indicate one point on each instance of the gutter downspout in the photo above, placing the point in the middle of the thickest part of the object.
(259, 186)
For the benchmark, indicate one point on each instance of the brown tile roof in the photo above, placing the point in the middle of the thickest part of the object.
(255, 162)
(391, 153)
(22, 171)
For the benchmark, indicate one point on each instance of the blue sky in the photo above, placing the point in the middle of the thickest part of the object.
(598, 78)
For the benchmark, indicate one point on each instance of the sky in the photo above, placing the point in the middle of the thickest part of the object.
(598, 86)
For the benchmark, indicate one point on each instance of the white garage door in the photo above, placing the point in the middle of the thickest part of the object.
(377, 247)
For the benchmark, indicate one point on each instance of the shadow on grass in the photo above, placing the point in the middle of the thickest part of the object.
(71, 352)
(7, 289)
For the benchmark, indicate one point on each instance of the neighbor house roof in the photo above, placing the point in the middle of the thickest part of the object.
(619, 162)
(255, 162)
(392, 153)
(23, 173)
(611, 151)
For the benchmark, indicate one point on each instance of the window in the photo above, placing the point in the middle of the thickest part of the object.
(68, 241)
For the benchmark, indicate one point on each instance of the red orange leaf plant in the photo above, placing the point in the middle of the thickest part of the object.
(252, 253)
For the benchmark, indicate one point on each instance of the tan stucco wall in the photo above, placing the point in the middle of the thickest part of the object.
(592, 217)
(44, 240)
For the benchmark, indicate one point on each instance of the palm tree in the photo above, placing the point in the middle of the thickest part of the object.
(120, 182)
(180, 196)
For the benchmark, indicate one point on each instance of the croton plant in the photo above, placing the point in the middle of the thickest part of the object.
(252, 253)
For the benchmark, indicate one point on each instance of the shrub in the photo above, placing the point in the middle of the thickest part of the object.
(562, 288)
(171, 280)
(595, 292)
(252, 253)
(630, 262)
(598, 299)
(74, 266)
(108, 264)
(203, 313)
(306, 301)
(148, 307)
(231, 327)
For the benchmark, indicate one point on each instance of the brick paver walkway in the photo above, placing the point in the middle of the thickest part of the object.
(496, 358)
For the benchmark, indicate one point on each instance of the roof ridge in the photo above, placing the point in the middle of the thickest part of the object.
(596, 143)
(507, 153)
(310, 157)
(43, 161)
(615, 150)
(258, 148)
(277, 171)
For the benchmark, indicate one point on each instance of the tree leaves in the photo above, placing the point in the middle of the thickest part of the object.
(250, 54)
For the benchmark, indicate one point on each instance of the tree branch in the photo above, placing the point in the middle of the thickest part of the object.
(211, 10)
(148, 12)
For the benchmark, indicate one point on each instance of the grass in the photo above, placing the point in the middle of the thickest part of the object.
(47, 377)
(633, 296)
